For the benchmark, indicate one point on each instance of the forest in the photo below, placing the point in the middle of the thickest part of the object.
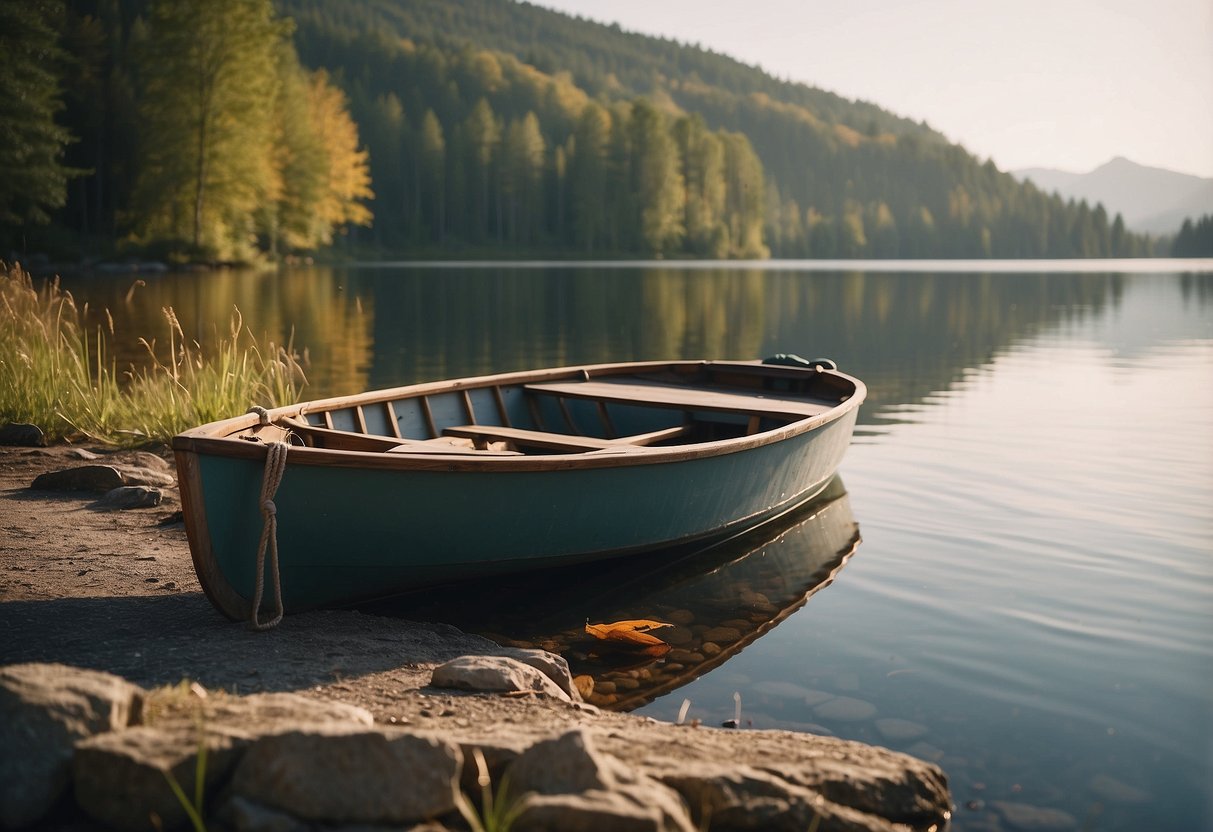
(242, 130)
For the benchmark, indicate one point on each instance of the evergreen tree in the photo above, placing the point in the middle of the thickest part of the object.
(588, 177)
(33, 176)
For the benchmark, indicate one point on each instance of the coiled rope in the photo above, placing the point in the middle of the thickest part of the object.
(275, 467)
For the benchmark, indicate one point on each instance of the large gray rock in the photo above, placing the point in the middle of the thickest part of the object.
(121, 779)
(568, 764)
(575, 786)
(733, 800)
(99, 478)
(351, 775)
(494, 674)
(44, 710)
(742, 775)
(598, 811)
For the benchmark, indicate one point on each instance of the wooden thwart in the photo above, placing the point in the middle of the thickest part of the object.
(656, 394)
(558, 441)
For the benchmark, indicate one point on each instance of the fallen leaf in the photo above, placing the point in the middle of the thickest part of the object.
(633, 631)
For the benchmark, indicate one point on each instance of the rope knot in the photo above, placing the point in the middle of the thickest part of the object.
(268, 508)
(263, 415)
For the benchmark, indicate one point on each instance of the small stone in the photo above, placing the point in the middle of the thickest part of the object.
(926, 751)
(128, 497)
(900, 729)
(27, 436)
(710, 648)
(676, 635)
(100, 478)
(846, 681)
(740, 624)
(781, 689)
(584, 685)
(845, 709)
(551, 665)
(722, 635)
(498, 674)
(683, 656)
(83, 453)
(604, 687)
(1117, 791)
(680, 617)
(815, 697)
(1028, 818)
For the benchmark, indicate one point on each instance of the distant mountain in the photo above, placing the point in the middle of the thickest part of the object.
(1151, 200)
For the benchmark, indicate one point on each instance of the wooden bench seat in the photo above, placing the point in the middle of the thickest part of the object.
(656, 394)
(559, 441)
(342, 440)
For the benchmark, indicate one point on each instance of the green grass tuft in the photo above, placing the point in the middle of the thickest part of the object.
(56, 373)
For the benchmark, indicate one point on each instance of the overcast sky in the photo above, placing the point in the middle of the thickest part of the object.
(1065, 84)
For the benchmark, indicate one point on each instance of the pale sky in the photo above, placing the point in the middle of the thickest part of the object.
(1065, 84)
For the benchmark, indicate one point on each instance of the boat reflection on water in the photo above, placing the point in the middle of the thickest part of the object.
(719, 600)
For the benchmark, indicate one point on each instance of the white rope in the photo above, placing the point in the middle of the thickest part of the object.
(275, 467)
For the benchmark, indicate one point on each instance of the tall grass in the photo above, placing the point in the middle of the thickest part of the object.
(56, 371)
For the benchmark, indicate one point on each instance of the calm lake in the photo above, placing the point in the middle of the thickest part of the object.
(1031, 604)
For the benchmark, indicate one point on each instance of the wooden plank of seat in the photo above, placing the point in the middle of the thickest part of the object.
(534, 438)
(561, 441)
(340, 440)
(656, 394)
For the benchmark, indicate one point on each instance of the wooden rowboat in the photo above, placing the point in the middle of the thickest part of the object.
(377, 493)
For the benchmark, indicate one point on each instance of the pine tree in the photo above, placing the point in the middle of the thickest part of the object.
(33, 177)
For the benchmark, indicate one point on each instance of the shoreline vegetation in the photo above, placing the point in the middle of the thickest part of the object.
(56, 370)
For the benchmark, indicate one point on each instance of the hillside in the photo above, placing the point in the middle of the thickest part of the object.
(844, 178)
(491, 128)
(1152, 200)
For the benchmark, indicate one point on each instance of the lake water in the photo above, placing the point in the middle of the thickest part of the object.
(1031, 605)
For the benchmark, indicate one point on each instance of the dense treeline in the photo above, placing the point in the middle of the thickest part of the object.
(238, 129)
(473, 147)
(188, 128)
(1195, 239)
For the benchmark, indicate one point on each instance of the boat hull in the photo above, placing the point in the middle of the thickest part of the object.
(353, 527)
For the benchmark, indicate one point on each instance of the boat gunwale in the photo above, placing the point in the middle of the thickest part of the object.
(216, 438)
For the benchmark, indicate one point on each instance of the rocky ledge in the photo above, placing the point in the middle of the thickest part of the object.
(84, 749)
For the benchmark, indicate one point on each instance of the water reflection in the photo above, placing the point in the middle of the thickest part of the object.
(906, 335)
(720, 600)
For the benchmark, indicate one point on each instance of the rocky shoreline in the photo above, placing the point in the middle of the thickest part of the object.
(339, 719)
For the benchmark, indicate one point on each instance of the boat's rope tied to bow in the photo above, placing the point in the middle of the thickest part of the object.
(275, 467)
